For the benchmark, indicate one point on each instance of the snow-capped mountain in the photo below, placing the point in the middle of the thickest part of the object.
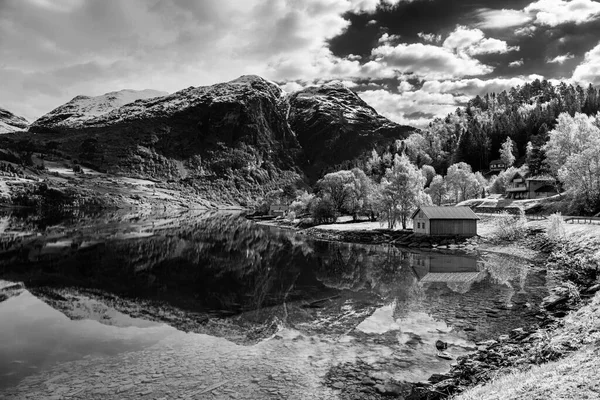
(82, 109)
(10, 122)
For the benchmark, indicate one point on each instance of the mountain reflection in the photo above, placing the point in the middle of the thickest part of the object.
(220, 264)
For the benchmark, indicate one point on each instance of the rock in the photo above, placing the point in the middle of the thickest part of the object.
(333, 125)
(518, 334)
(435, 378)
(10, 122)
(503, 338)
(593, 288)
(338, 385)
(552, 301)
(368, 382)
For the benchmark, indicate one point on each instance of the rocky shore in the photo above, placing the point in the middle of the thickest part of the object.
(519, 350)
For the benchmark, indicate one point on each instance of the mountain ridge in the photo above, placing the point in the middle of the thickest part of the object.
(10, 122)
(230, 143)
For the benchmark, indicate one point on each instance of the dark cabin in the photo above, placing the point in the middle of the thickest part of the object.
(445, 221)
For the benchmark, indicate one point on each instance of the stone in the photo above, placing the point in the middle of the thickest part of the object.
(338, 385)
(552, 301)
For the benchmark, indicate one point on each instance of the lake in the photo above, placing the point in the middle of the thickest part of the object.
(247, 300)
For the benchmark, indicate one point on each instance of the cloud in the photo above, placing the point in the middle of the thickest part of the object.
(589, 70)
(475, 86)
(473, 42)
(71, 47)
(526, 30)
(561, 59)
(558, 12)
(428, 61)
(430, 37)
(501, 19)
(386, 38)
(516, 63)
(419, 105)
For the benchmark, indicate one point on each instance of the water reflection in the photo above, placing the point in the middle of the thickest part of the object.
(192, 269)
(34, 335)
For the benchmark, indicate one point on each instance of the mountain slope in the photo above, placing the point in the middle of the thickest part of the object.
(336, 128)
(84, 108)
(230, 142)
(10, 122)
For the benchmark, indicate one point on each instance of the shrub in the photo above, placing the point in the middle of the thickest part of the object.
(301, 205)
(510, 227)
(578, 268)
(323, 211)
(556, 228)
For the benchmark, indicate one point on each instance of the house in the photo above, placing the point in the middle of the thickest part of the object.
(497, 166)
(523, 187)
(445, 221)
(279, 209)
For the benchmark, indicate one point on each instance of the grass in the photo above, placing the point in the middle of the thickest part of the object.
(573, 377)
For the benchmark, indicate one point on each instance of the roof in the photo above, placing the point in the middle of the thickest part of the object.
(451, 277)
(496, 162)
(447, 213)
(541, 178)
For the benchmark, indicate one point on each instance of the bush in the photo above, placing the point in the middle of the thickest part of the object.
(323, 211)
(510, 227)
(556, 228)
(578, 268)
(301, 205)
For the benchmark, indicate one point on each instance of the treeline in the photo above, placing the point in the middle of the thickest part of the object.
(525, 114)
(538, 130)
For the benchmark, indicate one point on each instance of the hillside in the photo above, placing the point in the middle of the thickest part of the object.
(82, 109)
(228, 143)
(336, 127)
(10, 122)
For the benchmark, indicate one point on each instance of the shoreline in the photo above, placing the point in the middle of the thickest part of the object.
(520, 349)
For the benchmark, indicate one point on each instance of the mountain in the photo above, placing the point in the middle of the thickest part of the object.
(336, 128)
(81, 109)
(230, 142)
(10, 122)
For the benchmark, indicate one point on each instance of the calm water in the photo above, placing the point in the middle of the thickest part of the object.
(385, 305)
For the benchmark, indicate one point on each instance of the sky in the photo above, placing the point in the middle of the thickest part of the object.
(412, 60)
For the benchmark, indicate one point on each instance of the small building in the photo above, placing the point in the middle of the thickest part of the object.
(497, 166)
(445, 221)
(536, 187)
(279, 210)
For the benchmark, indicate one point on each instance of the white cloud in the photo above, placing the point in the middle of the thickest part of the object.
(516, 63)
(428, 61)
(386, 38)
(557, 12)
(59, 49)
(404, 86)
(526, 30)
(470, 41)
(474, 87)
(561, 59)
(430, 37)
(589, 70)
(462, 38)
(411, 108)
(500, 19)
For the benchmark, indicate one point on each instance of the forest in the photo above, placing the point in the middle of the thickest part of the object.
(538, 129)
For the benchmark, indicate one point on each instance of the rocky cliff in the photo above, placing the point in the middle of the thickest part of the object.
(231, 141)
(337, 129)
(10, 122)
